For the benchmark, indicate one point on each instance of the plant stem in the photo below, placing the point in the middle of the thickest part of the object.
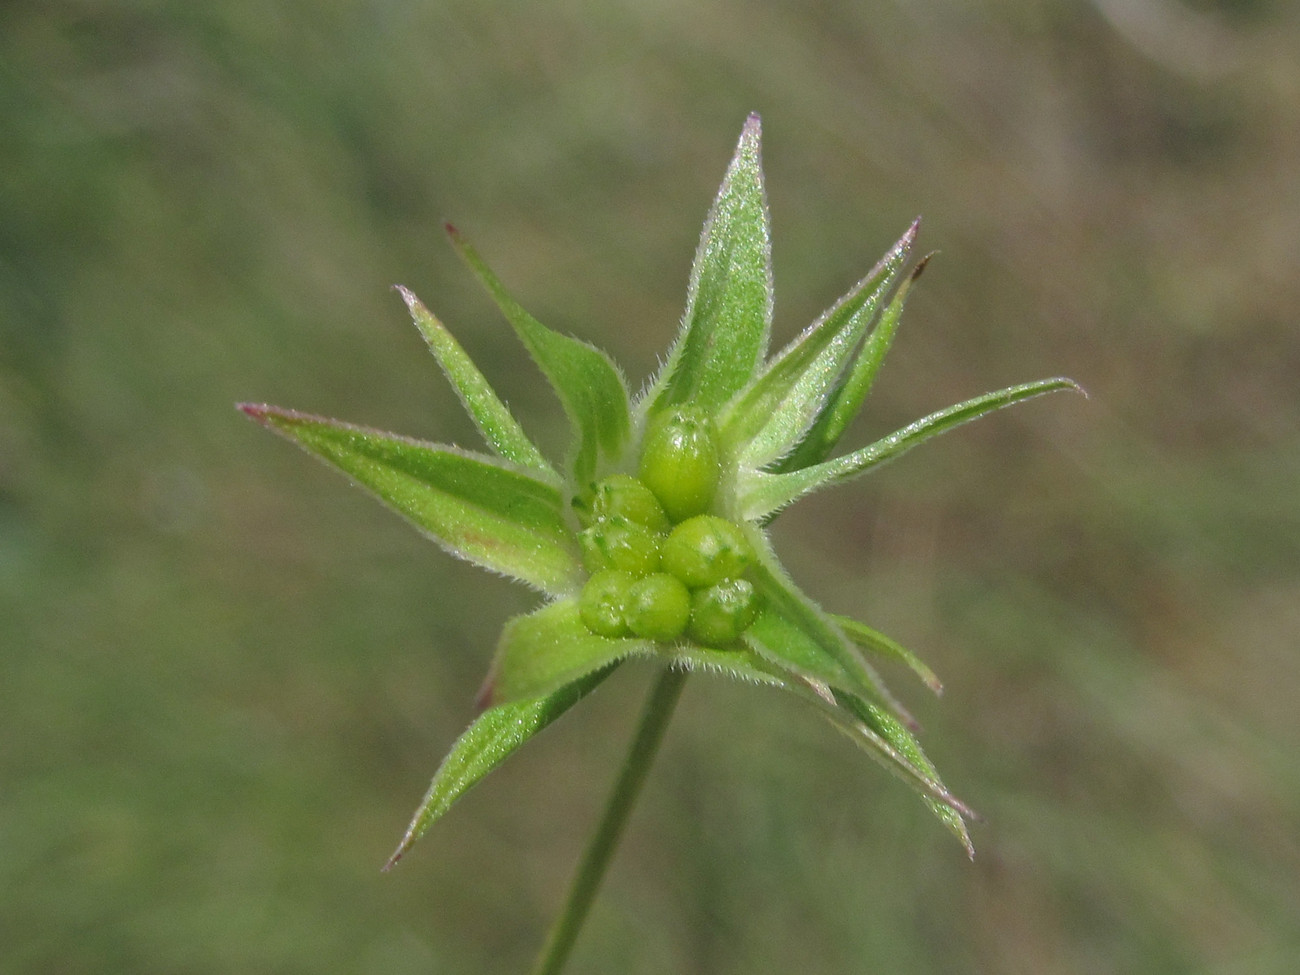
(600, 848)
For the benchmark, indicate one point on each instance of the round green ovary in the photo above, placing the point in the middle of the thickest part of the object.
(623, 496)
(617, 543)
(658, 607)
(602, 605)
(679, 462)
(721, 613)
(704, 550)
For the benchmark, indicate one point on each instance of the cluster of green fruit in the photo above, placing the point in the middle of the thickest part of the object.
(661, 567)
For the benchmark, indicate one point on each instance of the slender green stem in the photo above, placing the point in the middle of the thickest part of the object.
(600, 849)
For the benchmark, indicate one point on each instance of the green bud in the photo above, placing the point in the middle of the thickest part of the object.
(721, 613)
(705, 550)
(622, 495)
(679, 462)
(602, 603)
(658, 607)
(616, 543)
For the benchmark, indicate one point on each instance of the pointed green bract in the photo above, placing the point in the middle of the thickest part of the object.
(851, 392)
(492, 417)
(781, 641)
(772, 415)
(588, 384)
(763, 494)
(951, 812)
(868, 725)
(472, 505)
(740, 663)
(863, 723)
(543, 651)
(729, 302)
(791, 632)
(494, 736)
(881, 645)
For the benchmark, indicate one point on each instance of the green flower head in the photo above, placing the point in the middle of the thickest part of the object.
(649, 540)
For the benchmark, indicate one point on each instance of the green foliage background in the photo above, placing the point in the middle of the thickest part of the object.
(225, 679)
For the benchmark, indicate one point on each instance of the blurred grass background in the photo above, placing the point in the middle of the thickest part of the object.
(226, 678)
